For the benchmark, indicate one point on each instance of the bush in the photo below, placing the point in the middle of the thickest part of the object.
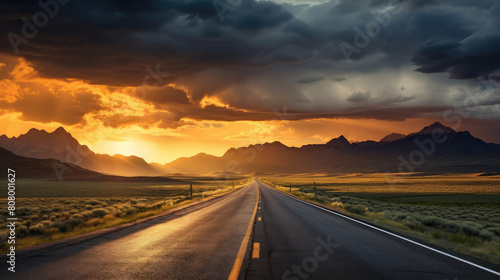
(86, 213)
(436, 234)
(495, 230)
(96, 202)
(99, 212)
(76, 216)
(61, 226)
(356, 209)
(36, 229)
(74, 222)
(486, 234)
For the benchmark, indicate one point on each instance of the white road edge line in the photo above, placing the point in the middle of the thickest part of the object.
(392, 234)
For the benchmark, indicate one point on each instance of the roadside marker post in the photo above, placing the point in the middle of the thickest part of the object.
(314, 189)
(290, 188)
(191, 190)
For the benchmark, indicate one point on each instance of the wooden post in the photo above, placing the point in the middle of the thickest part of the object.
(191, 190)
(314, 189)
(233, 184)
(290, 188)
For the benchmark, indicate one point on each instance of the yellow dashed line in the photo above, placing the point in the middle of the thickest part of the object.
(235, 271)
(256, 250)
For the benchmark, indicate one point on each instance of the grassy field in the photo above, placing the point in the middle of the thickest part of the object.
(461, 212)
(48, 210)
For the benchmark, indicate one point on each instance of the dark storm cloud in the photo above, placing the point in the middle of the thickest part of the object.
(163, 95)
(360, 96)
(310, 80)
(111, 42)
(470, 57)
(261, 55)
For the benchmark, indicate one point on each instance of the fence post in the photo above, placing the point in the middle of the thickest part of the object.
(314, 189)
(191, 190)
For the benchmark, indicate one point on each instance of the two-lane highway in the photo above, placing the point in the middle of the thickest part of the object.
(201, 242)
(291, 240)
(300, 241)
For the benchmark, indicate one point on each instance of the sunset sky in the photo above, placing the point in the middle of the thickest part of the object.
(164, 79)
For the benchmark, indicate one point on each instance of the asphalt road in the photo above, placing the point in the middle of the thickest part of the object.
(196, 243)
(300, 241)
(295, 241)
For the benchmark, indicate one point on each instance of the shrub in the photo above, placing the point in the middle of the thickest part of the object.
(457, 238)
(140, 205)
(436, 234)
(495, 230)
(74, 222)
(65, 214)
(22, 230)
(45, 223)
(356, 209)
(486, 234)
(86, 213)
(158, 204)
(96, 202)
(61, 226)
(36, 229)
(76, 216)
(99, 212)
(94, 222)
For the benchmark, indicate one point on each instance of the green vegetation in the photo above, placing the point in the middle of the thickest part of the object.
(460, 211)
(48, 210)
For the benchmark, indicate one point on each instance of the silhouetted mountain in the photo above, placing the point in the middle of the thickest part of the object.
(440, 148)
(61, 145)
(435, 148)
(55, 170)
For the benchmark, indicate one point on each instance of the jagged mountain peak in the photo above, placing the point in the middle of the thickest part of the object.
(437, 126)
(60, 130)
(341, 140)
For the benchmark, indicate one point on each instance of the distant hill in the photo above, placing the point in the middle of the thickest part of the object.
(62, 146)
(52, 169)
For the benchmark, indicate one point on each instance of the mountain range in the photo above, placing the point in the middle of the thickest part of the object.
(61, 145)
(435, 148)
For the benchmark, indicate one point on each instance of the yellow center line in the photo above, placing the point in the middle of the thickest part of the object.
(256, 250)
(235, 271)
